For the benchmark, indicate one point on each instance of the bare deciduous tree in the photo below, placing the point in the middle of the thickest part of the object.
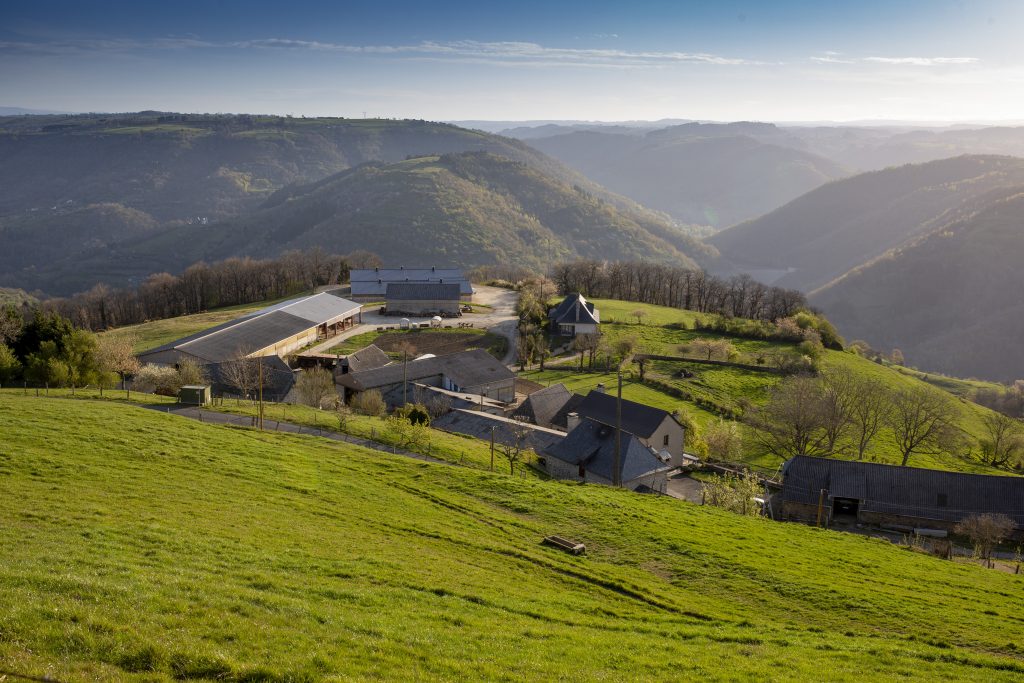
(1003, 443)
(639, 314)
(922, 421)
(315, 386)
(986, 531)
(793, 421)
(512, 445)
(242, 374)
(869, 412)
(836, 404)
(710, 348)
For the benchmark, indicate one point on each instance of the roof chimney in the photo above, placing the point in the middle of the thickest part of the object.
(572, 421)
(376, 269)
(431, 269)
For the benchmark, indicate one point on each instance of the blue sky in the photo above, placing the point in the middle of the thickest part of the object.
(783, 61)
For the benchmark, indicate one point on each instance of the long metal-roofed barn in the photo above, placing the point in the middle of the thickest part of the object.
(889, 494)
(371, 284)
(273, 331)
(423, 298)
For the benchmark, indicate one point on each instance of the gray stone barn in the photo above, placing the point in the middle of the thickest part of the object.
(423, 298)
(873, 493)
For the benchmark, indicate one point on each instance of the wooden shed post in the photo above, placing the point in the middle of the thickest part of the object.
(821, 505)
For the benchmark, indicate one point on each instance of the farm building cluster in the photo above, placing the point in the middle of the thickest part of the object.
(575, 437)
(270, 334)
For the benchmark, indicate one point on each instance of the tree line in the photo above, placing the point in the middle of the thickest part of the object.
(665, 285)
(204, 286)
(838, 412)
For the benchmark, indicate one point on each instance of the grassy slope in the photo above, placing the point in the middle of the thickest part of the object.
(169, 547)
(453, 448)
(730, 387)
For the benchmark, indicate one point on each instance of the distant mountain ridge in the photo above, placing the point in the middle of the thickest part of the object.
(705, 174)
(842, 225)
(951, 300)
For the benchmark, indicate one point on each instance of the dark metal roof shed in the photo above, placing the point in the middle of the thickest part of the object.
(473, 368)
(904, 491)
(423, 291)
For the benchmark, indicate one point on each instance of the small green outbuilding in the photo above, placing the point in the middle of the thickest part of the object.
(194, 395)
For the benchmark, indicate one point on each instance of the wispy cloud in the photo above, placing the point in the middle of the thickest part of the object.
(923, 61)
(505, 52)
(830, 57)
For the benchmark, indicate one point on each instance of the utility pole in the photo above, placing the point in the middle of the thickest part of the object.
(405, 377)
(617, 472)
(259, 363)
(492, 448)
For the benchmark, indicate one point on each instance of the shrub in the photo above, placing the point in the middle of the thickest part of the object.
(724, 441)
(158, 379)
(369, 403)
(735, 494)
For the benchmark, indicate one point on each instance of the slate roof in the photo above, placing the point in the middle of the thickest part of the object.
(637, 418)
(367, 358)
(542, 406)
(592, 445)
(422, 291)
(906, 491)
(374, 281)
(575, 310)
(478, 425)
(473, 368)
(264, 328)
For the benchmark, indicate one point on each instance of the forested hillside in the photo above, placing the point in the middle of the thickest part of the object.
(705, 174)
(842, 225)
(80, 187)
(951, 301)
(466, 209)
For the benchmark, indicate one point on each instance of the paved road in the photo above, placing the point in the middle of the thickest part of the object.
(683, 487)
(214, 417)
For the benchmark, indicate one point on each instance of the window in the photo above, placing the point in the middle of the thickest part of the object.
(665, 440)
(941, 502)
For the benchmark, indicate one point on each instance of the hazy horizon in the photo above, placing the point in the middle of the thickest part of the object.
(792, 61)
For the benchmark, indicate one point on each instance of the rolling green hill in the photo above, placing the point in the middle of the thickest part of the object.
(79, 188)
(705, 174)
(466, 209)
(166, 549)
(951, 300)
(831, 230)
